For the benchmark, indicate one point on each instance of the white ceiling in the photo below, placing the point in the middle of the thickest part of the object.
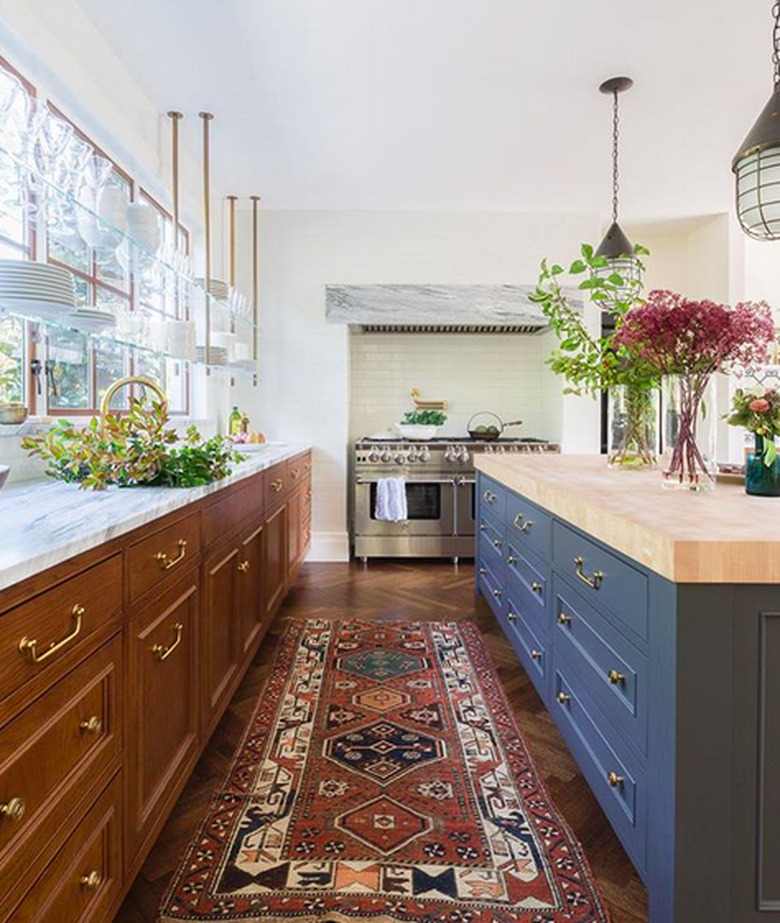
(458, 104)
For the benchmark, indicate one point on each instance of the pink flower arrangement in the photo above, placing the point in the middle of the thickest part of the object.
(679, 336)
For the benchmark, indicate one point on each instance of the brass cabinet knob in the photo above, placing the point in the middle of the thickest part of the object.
(536, 655)
(483, 528)
(563, 698)
(616, 678)
(537, 587)
(295, 473)
(489, 497)
(511, 617)
(564, 619)
(497, 543)
(13, 810)
(483, 571)
(243, 567)
(497, 594)
(91, 881)
(511, 559)
(614, 779)
(277, 485)
(92, 725)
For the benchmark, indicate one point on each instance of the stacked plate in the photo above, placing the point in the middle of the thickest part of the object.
(36, 289)
(217, 287)
(90, 320)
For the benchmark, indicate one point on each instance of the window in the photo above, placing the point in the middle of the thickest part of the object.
(71, 369)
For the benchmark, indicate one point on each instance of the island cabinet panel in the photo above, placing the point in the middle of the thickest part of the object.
(275, 559)
(250, 598)
(294, 532)
(163, 725)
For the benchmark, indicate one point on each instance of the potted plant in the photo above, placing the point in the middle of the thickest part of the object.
(758, 411)
(686, 342)
(593, 364)
(421, 424)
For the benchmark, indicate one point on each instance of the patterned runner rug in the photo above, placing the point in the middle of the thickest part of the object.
(383, 779)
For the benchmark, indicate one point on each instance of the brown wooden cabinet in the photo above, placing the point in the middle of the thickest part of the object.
(251, 612)
(219, 642)
(275, 560)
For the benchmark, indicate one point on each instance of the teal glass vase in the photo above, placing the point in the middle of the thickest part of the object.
(762, 480)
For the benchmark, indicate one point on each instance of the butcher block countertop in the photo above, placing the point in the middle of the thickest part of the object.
(723, 536)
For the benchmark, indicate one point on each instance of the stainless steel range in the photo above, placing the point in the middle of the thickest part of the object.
(440, 479)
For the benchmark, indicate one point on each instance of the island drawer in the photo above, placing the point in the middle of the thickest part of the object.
(221, 517)
(615, 776)
(277, 484)
(490, 584)
(82, 881)
(530, 582)
(53, 752)
(527, 642)
(299, 470)
(45, 635)
(168, 550)
(492, 497)
(492, 540)
(528, 526)
(608, 581)
(613, 670)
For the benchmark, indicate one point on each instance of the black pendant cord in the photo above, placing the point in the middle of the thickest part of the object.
(615, 153)
(776, 44)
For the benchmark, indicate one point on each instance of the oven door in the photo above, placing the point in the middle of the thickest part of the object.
(430, 503)
(465, 506)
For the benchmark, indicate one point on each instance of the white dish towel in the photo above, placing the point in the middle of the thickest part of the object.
(391, 500)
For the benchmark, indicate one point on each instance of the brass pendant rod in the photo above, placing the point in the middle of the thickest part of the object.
(175, 118)
(255, 273)
(232, 199)
(207, 117)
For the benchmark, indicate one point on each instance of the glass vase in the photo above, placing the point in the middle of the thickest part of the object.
(690, 423)
(762, 480)
(633, 427)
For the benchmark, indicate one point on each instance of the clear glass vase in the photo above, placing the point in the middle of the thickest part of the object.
(690, 424)
(633, 427)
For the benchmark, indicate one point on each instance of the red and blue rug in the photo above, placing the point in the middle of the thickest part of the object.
(383, 780)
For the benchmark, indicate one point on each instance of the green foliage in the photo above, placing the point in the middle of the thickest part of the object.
(591, 363)
(758, 410)
(425, 418)
(132, 450)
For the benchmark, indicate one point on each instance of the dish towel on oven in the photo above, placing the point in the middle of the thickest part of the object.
(391, 500)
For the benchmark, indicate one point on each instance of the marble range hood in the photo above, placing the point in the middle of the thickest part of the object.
(436, 308)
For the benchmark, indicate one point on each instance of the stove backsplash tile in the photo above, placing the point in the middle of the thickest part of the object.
(500, 372)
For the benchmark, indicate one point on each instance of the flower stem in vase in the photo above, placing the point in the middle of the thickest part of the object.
(690, 410)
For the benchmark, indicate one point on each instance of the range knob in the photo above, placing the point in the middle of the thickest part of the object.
(462, 453)
(400, 458)
(425, 456)
(386, 457)
(373, 455)
(411, 455)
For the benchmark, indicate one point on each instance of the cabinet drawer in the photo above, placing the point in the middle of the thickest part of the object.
(276, 485)
(492, 497)
(53, 751)
(230, 511)
(615, 776)
(528, 526)
(299, 471)
(531, 650)
(492, 540)
(167, 551)
(41, 636)
(614, 671)
(491, 586)
(85, 876)
(529, 583)
(604, 578)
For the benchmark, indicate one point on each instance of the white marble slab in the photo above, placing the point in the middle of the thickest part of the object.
(45, 522)
(482, 305)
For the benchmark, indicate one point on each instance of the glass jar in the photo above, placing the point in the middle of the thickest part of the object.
(633, 427)
(762, 480)
(689, 426)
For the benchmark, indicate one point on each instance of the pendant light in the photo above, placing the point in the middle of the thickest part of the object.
(616, 248)
(757, 165)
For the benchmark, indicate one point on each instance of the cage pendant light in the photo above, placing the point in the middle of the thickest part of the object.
(757, 164)
(616, 248)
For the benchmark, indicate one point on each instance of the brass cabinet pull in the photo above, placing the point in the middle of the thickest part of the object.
(497, 543)
(520, 525)
(616, 677)
(13, 810)
(564, 619)
(563, 698)
(536, 655)
(92, 725)
(276, 485)
(537, 587)
(511, 559)
(614, 780)
(295, 473)
(593, 582)
(91, 881)
(243, 566)
(167, 563)
(511, 617)
(29, 646)
(497, 594)
(162, 651)
(308, 493)
(489, 497)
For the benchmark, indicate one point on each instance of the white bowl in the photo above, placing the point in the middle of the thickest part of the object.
(416, 430)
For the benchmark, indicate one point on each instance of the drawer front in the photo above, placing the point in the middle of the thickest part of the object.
(614, 775)
(606, 580)
(84, 878)
(491, 587)
(54, 751)
(530, 582)
(43, 635)
(299, 471)
(226, 514)
(614, 671)
(276, 485)
(492, 540)
(530, 647)
(528, 526)
(492, 497)
(163, 554)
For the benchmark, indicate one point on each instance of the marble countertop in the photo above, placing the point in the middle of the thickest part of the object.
(45, 522)
(723, 536)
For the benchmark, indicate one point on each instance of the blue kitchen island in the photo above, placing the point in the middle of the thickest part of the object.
(649, 622)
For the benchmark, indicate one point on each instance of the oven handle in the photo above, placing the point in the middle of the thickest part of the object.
(462, 482)
(450, 481)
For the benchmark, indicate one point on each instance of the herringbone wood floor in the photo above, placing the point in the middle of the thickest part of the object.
(414, 591)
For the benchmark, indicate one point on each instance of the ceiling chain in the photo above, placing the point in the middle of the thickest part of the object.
(776, 43)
